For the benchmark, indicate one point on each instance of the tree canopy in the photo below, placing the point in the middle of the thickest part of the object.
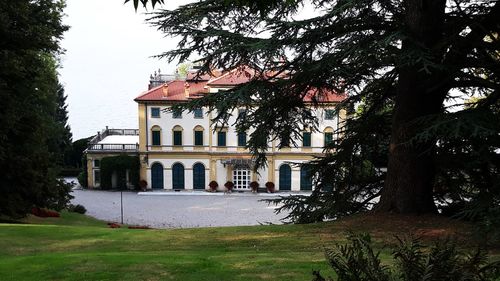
(30, 128)
(404, 61)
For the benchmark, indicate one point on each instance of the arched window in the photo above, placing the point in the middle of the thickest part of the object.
(157, 176)
(177, 135)
(156, 135)
(328, 135)
(198, 135)
(285, 177)
(178, 176)
(198, 176)
(305, 177)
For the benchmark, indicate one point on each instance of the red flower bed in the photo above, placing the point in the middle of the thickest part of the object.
(44, 213)
(139, 227)
(113, 225)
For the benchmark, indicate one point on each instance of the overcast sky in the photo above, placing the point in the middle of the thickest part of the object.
(108, 60)
(107, 63)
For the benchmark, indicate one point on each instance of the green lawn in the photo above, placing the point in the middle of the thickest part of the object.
(76, 247)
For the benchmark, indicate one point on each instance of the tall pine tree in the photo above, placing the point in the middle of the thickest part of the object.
(404, 60)
(30, 32)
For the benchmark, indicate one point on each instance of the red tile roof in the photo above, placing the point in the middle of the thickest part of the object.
(175, 90)
(234, 77)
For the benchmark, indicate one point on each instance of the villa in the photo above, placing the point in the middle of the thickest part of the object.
(181, 150)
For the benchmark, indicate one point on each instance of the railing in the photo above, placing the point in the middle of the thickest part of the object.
(112, 132)
(113, 147)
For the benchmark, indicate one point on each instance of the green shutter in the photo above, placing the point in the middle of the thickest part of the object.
(242, 139)
(221, 138)
(306, 139)
(329, 114)
(328, 138)
(177, 137)
(156, 138)
(198, 137)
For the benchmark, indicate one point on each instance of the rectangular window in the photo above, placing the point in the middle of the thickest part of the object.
(177, 114)
(177, 137)
(97, 177)
(306, 139)
(198, 113)
(97, 163)
(198, 137)
(156, 137)
(155, 112)
(329, 114)
(221, 138)
(328, 138)
(242, 139)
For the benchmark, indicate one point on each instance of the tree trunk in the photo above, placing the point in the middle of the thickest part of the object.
(409, 184)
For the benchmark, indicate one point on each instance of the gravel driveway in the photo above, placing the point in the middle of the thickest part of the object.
(176, 210)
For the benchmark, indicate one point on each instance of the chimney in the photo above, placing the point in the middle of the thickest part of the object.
(186, 89)
(165, 90)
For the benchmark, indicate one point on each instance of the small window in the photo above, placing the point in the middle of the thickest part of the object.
(329, 114)
(198, 138)
(221, 138)
(177, 114)
(198, 113)
(155, 112)
(306, 139)
(177, 137)
(156, 137)
(328, 138)
(242, 139)
(97, 177)
(97, 163)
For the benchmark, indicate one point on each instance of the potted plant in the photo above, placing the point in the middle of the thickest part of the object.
(143, 185)
(229, 186)
(270, 186)
(254, 185)
(213, 186)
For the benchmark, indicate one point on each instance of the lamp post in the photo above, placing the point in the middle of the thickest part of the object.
(121, 205)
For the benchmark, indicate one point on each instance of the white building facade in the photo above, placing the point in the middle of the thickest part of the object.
(183, 151)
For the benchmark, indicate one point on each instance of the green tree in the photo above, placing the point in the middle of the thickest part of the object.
(30, 32)
(410, 55)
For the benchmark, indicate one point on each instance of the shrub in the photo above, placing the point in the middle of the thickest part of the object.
(120, 164)
(270, 186)
(229, 185)
(82, 177)
(213, 185)
(77, 209)
(254, 186)
(412, 261)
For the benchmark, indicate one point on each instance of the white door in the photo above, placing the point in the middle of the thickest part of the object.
(241, 179)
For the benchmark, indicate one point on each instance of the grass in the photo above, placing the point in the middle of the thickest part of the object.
(77, 247)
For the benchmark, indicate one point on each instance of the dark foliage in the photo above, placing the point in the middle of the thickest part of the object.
(119, 165)
(357, 261)
(213, 185)
(402, 61)
(30, 32)
(77, 209)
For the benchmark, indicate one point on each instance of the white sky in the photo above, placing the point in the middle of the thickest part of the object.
(107, 63)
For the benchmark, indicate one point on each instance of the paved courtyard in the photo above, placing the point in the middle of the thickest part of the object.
(178, 210)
